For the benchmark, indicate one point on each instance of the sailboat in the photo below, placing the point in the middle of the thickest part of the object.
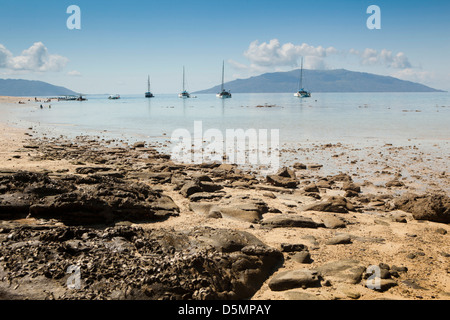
(302, 93)
(184, 94)
(148, 94)
(223, 94)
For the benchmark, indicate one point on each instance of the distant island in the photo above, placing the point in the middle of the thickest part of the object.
(340, 80)
(30, 88)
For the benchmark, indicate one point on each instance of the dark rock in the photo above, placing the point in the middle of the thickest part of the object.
(302, 257)
(190, 188)
(299, 166)
(83, 200)
(139, 144)
(202, 263)
(208, 186)
(324, 184)
(394, 183)
(351, 194)
(432, 207)
(289, 247)
(399, 269)
(90, 170)
(349, 186)
(160, 177)
(384, 285)
(284, 178)
(341, 177)
(311, 188)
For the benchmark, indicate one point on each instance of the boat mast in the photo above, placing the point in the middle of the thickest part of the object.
(148, 83)
(223, 72)
(301, 76)
(183, 79)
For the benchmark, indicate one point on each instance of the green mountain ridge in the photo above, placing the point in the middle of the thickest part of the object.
(339, 80)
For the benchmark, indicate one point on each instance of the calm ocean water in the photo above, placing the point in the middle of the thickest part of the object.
(324, 118)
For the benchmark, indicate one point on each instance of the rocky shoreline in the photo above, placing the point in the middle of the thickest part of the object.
(142, 227)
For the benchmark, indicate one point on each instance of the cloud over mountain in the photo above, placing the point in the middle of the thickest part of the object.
(275, 56)
(288, 54)
(384, 57)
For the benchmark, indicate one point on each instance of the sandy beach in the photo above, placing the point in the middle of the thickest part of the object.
(300, 234)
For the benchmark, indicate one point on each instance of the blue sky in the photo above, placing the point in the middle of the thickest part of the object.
(120, 42)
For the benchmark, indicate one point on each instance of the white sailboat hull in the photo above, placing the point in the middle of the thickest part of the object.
(223, 96)
(302, 95)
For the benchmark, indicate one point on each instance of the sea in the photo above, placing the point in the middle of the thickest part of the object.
(357, 119)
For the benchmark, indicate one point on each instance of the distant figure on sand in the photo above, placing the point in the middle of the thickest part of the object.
(42, 107)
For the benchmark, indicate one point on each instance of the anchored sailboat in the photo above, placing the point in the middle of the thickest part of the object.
(148, 94)
(302, 93)
(223, 94)
(184, 94)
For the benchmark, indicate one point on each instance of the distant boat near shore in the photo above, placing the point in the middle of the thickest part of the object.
(223, 94)
(184, 94)
(114, 97)
(72, 98)
(149, 94)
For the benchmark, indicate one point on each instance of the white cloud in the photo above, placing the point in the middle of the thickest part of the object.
(5, 56)
(415, 75)
(274, 54)
(36, 58)
(74, 73)
(251, 69)
(384, 57)
(315, 63)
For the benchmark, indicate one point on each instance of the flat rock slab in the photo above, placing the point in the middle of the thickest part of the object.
(336, 204)
(347, 271)
(302, 278)
(332, 222)
(298, 295)
(249, 210)
(339, 239)
(286, 221)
